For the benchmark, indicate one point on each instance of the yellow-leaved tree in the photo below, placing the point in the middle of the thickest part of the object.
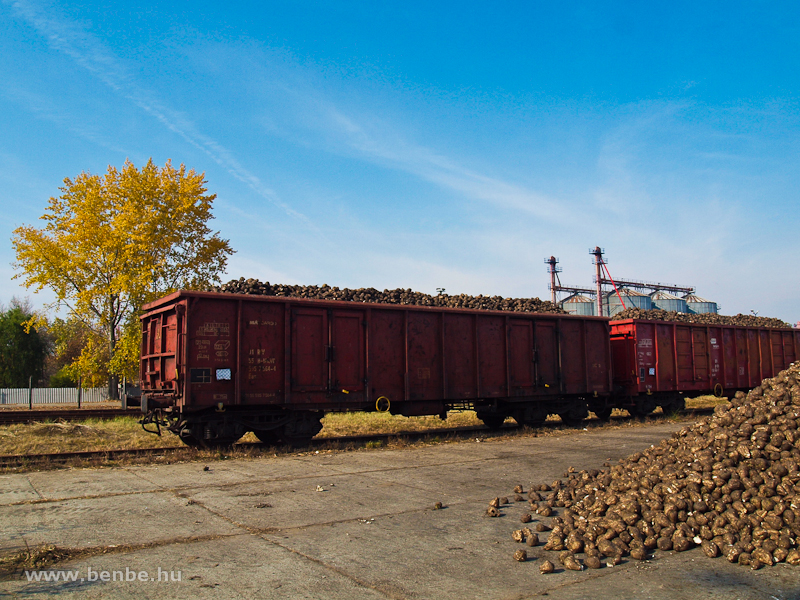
(113, 243)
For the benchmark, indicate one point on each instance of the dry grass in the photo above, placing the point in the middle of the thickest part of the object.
(126, 433)
(366, 423)
(39, 557)
(44, 556)
(91, 434)
(704, 402)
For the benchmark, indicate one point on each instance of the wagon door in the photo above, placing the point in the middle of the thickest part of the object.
(685, 357)
(766, 353)
(309, 350)
(700, 349)
(665, 361)
(547, 350)
(742, 366)
(729, 348)
(459, 356)
(521, 357)
(788, 349)
(347, 351)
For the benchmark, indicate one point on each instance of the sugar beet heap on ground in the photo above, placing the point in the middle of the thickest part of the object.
(730, 484)
(398, 296)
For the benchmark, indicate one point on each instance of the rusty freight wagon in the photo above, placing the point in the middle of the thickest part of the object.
(660, 362)
(216, 365)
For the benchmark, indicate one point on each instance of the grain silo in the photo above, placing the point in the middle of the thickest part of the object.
(577, 304)
(698, 305)
(631, 299)
(666, 301)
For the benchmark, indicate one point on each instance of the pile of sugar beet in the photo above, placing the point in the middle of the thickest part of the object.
(410, 297)
(741, 320)
(729, 484)
(398, 296)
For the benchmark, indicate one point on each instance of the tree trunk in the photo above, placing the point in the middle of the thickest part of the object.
(113, 387)
(113, 380)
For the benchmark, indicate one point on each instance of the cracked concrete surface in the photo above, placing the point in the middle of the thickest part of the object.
(346, 525)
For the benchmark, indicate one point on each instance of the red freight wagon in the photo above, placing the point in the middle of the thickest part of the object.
(658, 362)
(216, 365)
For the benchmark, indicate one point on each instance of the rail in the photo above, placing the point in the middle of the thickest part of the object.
(10, 461)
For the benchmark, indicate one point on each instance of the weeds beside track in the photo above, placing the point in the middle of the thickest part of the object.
(166, 454)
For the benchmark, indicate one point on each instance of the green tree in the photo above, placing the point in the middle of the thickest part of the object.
(68, 338)
(113, 243)
(22, 349)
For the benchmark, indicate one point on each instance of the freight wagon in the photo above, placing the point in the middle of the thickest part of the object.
(660, 362)
(216, 365)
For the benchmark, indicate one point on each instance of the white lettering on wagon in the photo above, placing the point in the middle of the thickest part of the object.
(214, 329)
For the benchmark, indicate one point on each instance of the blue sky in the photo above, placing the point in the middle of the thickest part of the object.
(432, 145)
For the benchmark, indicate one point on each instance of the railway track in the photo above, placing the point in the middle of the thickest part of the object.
(9, 417)
(117, 454)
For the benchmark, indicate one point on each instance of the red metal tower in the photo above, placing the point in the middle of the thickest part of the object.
(598, 261)
(553, 270)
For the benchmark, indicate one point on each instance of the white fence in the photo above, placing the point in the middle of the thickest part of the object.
(52, 395)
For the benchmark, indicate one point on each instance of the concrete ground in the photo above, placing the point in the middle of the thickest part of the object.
(354, 525)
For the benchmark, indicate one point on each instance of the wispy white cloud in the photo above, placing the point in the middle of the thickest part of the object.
(377, 140)
(91, 54)
(45, 108)
(301, 105)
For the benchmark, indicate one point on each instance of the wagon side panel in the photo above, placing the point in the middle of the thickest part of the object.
(522, 372)
(212, 333)
(347, 355)
(574, 368)
(425, 373)
(263, 353)
(598, 356)
(387, 355)
(623, 354)
(460, 354)
(547, 356)
(491, 356)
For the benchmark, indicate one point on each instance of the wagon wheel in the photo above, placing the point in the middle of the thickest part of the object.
(574, 414)
(194, 442)
(269, 437)
(604, 414)
(643, 407)
(301, 428)
(530, 415)
(675, 405)
(225, 442)
(492, 421)
(568, 418)
(190, 440)
(192, 435)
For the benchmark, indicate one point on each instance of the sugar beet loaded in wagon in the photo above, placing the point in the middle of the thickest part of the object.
(217, 365)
